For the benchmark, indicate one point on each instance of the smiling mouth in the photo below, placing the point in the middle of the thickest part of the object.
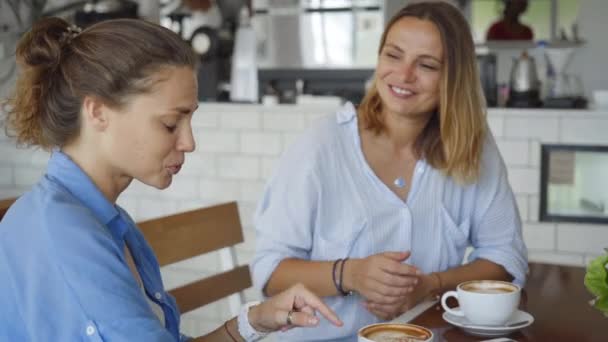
(401, 92)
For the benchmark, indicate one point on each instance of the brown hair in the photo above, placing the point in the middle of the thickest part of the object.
(59, 66)
(453, 139)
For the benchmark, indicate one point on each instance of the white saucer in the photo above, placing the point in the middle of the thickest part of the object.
(490, 331)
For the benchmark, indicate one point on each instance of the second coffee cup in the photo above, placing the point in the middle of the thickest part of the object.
(484, 302)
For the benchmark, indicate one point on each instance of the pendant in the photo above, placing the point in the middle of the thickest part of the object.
(399, 182)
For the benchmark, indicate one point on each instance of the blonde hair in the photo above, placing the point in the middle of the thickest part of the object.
(452, 140)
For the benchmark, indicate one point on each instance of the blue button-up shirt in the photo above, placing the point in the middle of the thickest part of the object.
(63, 270)
(324, 202)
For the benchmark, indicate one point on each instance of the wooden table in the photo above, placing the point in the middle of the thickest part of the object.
(557, 298)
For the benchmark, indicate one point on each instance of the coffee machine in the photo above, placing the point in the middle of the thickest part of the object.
(524, 85)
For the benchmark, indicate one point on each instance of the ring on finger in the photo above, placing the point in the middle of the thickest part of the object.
(288, 320)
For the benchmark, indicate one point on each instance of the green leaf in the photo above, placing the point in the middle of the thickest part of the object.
(596, 279)
(602, 304)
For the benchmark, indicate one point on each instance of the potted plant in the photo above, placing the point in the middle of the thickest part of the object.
(596, 281)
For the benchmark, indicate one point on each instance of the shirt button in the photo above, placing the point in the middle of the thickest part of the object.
(90, 330)
(158, 295)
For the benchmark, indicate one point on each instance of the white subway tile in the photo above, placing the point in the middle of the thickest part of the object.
(200, 164)
(496, 124)
(590, 131)
(284, 122)
(40, 158)
(201, 266)
(128, 203)
(27, 176)
(251, 191)
(535, 153)
(261, 143)
(241, 120)
(524, 180)
(514, 152)
(289, 139)
(539, 236)
(582, 238)
(246, 168)
(219, 190)
(268, 166)
(556, 258)
(204, 118)
(6, 176)
(182, 188)
(214, 141)
(533, 205)
(187, 205)
(544, 129)
(522, 205)
(246, 213)
(152, 208)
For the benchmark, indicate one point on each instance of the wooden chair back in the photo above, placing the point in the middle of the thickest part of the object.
(185, 235)
(4, 205)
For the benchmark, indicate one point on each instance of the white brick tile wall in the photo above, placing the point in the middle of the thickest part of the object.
(268, 166)
(246, 168)
(585, 131)
(251, 191)
(204, 118)
(289, 139)
(533, 205)
(496, 124)
(284, 121)
(265, 143)
(580, 238)
(241, 120)
(514, 152)
(148, 208)
(543, 128)
(524, 180)
(6, 176)
(522, 205)
(219, 190)
(214, 141)
(200, 164)
(26, 176)
(558, 258)
(534, 157)
(540, 236)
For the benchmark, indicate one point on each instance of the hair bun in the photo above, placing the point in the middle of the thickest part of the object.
(43, 44)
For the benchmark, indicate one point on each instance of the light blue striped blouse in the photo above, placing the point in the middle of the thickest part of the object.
(324, 202)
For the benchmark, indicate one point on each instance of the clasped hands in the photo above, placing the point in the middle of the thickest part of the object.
(389, 286)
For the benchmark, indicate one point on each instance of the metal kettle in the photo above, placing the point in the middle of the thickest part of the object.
(524, 77)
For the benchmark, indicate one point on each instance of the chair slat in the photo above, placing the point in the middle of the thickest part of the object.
(208, 290)
(181, 236)
(4, 205)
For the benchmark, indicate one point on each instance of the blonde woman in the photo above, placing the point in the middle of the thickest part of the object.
(375, 206)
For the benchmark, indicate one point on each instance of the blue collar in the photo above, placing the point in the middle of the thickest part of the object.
(62, 170)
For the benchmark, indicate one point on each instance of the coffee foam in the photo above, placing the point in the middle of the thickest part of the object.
(488, 287)
(390, 332)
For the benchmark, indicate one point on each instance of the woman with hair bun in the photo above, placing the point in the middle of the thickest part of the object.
(114, 103)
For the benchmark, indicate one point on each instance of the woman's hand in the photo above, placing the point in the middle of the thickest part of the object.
(296, 304)
(387, 312)
(381, 278)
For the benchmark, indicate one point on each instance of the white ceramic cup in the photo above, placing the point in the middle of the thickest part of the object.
(390, 331)
(484, 302)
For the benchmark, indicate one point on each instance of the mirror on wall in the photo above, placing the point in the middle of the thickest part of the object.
(573, 183)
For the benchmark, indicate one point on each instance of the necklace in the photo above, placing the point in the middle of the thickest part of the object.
(399, 182)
